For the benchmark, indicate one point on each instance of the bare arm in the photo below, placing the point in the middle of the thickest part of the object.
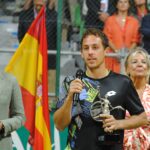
(103, 16)
(113, 47)
(62, 116)
(135, 121)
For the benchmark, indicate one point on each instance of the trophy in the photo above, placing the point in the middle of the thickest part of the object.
(102, 106)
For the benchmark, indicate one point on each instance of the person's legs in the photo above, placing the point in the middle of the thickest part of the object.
(51, 81)
(51, 88)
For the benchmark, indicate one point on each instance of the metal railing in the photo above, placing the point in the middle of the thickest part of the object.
(120, 55)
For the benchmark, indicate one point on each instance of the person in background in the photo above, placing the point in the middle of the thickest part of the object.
(31, 9)
(97, 84)
(122, 30)
(137, 66)
(141, 8)
(97, 12)
(27, 4)
(145, 31)
(11, 109)
(148, 4)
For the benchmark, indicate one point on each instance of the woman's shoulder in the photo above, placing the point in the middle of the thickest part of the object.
(147, 87)
(112, 17)
(133, 19)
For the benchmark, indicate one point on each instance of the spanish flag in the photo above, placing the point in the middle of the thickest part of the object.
(29, 66)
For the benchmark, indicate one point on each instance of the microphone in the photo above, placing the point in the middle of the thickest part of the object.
(79, 75)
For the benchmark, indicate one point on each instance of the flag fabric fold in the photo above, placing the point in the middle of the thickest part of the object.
(29, 66)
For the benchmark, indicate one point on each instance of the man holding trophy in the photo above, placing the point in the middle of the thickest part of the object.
(92, 105)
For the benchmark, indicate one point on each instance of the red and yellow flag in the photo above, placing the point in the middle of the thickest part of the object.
(29, 66)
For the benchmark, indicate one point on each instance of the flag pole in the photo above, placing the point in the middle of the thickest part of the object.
(59, 35)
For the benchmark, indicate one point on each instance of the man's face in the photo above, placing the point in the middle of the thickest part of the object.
(93, 52)
(38, 4)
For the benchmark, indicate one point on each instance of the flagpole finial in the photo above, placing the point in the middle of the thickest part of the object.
(41, 2)
(38, 4)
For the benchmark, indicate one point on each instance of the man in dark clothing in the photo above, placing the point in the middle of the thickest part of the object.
(99, 128)
(98, 11)
(145, 30)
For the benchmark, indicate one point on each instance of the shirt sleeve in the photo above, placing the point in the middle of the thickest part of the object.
(145, 26)
(63, 94)
(16, 112)
(133, 103)
(107, 28)
(136, 33)
(64, 91)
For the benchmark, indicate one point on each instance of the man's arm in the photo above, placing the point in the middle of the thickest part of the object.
(62, 116)
(103, 16)
(110, 123)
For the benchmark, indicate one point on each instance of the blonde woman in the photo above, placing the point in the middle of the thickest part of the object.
(137, 66)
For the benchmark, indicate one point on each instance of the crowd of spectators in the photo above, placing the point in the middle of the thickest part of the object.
(126, 23)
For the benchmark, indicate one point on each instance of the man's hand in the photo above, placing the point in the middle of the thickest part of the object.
(75, 86)
(62, 117)
(110, 124)
(103, 16)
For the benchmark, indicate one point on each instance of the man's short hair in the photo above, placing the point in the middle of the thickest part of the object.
(97, 33)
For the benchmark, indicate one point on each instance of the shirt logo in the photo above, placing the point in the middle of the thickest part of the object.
(110, 93)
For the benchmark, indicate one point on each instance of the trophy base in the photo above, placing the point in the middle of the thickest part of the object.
(109, 139)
